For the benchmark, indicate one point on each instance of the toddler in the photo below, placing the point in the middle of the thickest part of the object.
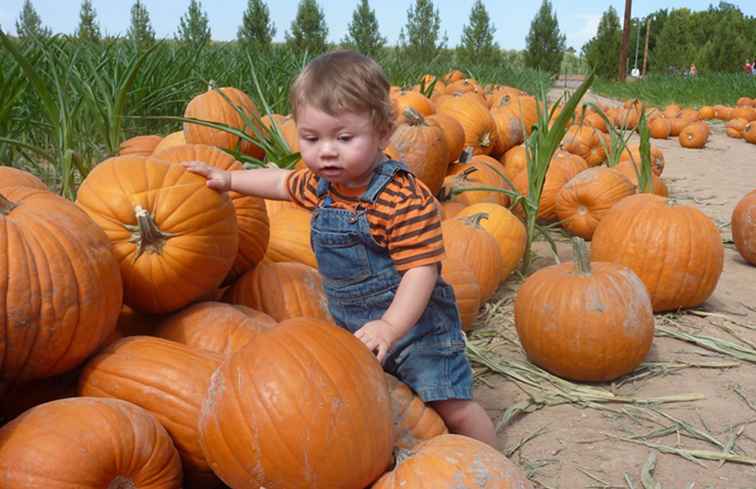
(375, 232)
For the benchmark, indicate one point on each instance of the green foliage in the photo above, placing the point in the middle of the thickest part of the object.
(545, 43)
(88, 29)
(257, 31)
(731, 43)
(602, 51)
(29, 24)
(419, 38)
(363, 34)
(478, 44)
(194, 28)
(308, 30)
(675, 47)
(140, 31)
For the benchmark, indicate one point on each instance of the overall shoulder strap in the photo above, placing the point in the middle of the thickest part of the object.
(383, 175)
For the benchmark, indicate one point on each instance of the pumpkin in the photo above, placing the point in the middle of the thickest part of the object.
(467, 241)
(694, 135)
(215, 326)
(671, 111)
(675, 250)
(475, 118)
(173, 139)
(466, 288)
(722, 112)
(404, 99)
(659, 127)
(251, 214)
(222, 105)
(508, 231)
(306, 403)
(11, 177)
(525, 108)
(706, 112)
(579, 140)
(734, 128)
(749, 132)
(87, 443)
(175, 238)
(676, 125)
(282, 290)
(629, 169)
(450, 208)
(413, 420)
(423, 148)
(561, 170)
(583, 320)
(452, 462)
(632, 153)
(139, 145)
(515, 160)
(743, 225)
(510, 130)
(165, 378)
(747, 113)
(60, 289)
(290, 237)
(476, 172)
(454, 134)
(586, 198)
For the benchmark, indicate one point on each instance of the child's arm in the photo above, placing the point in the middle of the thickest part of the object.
(268, 183)
(408, 305)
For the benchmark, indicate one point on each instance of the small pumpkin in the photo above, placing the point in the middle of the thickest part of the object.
(632, 153)
(173, 139)
(423, 148)
(749, 132)
(413, 420)
(139, 145)
(11, 177)
(475, 118)
(583, 320)
(734, 128)
(694, 135)
(659, 127)
(454, 134)
(743, 225)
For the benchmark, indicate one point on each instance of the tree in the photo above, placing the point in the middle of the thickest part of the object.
(726, 49)
(140, 31)
(194, 28)
(362, 34)
(257, 30)
(477, 45)
(545, 44)
(602, 51)
(675, 49)
(419, 39)
(88, 29)
(29, 24)
(308, 29)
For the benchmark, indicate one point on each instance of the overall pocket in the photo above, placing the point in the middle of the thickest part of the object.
(342, 257)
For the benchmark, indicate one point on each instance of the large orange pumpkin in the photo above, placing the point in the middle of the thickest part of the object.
(167, 379)
(422, 147)
(60, 289)
(588, 196)
(282, 290)
(212, 106)
(251, 215)
(585, 321)
(215, 326)
(414, 421)
(743, 225)
(476, 120)
(290, 237)
(174, 237)
(10, 177)
(675, 250)
(452, 462)
(304, 405)
(87, 443)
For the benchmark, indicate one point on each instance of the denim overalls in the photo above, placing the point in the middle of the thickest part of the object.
(360, 281)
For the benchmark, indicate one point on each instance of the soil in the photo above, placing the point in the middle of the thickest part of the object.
(572, 446)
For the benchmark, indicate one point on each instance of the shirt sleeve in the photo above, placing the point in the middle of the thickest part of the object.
(414, 232)
(302, 187)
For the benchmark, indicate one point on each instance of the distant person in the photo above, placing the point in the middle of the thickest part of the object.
(748, 66)
(693, 71)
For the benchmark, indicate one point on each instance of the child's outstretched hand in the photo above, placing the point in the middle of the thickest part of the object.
(376, 335)
(217, 179)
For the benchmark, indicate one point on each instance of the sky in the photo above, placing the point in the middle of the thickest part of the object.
(578, 19)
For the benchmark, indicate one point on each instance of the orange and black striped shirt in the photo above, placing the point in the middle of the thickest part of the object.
(405, 217)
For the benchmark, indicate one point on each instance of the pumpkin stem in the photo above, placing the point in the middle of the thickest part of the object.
(414, 118)
(211, 85)
(121, 482)
(466, 155)
(475, 219)
(146, 233)
(6, 206)
(582, 257)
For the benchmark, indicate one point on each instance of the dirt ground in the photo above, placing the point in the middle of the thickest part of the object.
(613, 444)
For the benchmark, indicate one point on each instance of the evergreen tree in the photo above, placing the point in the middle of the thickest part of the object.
(29, 24)
(257, 30)
(88, 29)
(308, 29)
(545, 44)
(194, 28)
(419, 39)
(477, 45)
(363, 34)
(602, 51)
(140, 31)
(729, 45)
(675, 49)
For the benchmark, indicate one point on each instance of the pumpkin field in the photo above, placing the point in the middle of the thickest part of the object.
(155, 333)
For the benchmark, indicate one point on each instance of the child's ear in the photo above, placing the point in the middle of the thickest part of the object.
(385, 136)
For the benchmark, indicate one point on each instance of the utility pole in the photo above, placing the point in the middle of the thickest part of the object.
(645, 49)
(625, 40)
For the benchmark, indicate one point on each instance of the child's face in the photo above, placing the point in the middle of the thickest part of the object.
(343, 149)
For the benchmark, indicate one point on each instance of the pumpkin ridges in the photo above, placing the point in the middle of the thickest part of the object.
(11, 177)
(743, 225)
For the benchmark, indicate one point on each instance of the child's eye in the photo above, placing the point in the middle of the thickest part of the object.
(309, 139)
(345, 138)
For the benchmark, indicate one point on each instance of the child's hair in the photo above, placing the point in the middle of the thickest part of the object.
(344, 81)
